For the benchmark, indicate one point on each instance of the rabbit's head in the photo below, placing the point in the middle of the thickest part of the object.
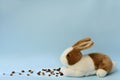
(72, 55)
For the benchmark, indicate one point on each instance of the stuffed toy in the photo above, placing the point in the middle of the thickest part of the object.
(77, 65)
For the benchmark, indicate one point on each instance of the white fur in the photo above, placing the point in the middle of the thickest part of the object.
(113, 67)
(101, 73)
(84, 67)
(63, 56)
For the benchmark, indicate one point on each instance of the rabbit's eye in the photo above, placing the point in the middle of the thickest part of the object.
(68, 55)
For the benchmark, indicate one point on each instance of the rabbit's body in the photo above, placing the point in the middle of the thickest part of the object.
(78, 65)
(84, 67)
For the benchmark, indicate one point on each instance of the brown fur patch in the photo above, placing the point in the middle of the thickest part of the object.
(74, 56)
(101, 61)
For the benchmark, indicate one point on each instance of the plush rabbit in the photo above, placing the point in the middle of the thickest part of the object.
(77, 65)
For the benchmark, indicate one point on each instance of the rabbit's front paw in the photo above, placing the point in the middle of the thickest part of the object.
(65, 70)
(70, 72)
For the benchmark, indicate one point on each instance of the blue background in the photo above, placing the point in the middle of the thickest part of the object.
(34, 33)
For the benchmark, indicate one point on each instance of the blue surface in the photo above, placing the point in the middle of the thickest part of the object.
(34, 33)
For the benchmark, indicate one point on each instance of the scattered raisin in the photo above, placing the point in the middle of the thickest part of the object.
(39, 73)
(28, 74)
(44, 70)
(58, 69)
(56, 75)
(13, 72)
(49, 74)
(61, 74)
(43, 73)
(22, 71)
(3, 73)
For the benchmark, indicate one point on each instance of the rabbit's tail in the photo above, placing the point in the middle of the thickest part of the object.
(113, 67)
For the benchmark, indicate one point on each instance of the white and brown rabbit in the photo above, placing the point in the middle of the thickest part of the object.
(77, 65)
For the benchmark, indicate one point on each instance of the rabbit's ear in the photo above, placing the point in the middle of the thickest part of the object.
(81, 41)
(83, 44)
